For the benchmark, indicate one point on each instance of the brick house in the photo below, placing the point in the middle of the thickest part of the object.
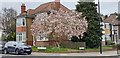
(25, 18)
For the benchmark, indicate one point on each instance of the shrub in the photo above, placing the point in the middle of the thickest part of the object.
(77, 39)
(72, 45)
(118, 46)
(109, 42)
(11, 37)
(114, 46)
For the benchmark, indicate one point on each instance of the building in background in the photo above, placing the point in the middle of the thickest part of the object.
(24, 22)
(21, 25)
(119, 20)
(110, 28)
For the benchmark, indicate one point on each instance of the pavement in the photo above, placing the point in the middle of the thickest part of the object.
(107, 53)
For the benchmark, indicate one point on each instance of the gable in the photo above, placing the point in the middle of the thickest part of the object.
(45, 7)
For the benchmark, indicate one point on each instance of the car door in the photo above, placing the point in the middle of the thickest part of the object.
(11, 47)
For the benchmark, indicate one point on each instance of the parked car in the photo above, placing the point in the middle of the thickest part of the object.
(17, 48)
(2, 43)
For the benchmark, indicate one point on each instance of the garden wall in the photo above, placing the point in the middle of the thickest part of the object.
(72, 45)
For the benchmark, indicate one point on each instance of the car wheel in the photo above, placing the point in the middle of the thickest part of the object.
(29, 53)
(17, 51)
(5, 51)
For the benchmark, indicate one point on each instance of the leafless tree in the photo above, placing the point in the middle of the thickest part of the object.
(8, 21)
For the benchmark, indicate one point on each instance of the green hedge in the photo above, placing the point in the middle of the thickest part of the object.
(11, 37)
(72, 45)
(118, 46)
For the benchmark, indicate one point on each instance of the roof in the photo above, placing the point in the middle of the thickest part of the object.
(111, 19)
(44, 7)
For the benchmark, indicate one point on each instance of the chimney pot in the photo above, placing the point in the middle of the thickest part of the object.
(23, 8)
(57, 0)
(57, 4)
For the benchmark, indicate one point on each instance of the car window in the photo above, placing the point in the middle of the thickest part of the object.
(21, 44)
(7, 44)
(13, 43)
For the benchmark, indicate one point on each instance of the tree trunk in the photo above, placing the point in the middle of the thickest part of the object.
(58, 44)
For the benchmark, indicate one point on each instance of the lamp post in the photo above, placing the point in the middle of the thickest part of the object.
(116, 36)
(100, 26)
(102, 33)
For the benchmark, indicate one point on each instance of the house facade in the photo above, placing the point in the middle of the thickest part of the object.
(21, 26)
(110, 28)
(25, 18)
(107, 35)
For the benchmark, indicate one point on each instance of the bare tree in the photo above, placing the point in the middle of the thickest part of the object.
(7, 20)
(58, 24)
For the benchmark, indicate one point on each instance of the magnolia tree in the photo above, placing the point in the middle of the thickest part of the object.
(56, 24)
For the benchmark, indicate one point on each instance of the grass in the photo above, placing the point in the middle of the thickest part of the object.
(55, 49)
(52, 49)
(107, 47)
(34, 48)
(103, 47)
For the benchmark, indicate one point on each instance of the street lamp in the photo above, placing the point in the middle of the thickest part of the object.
(102, 33)
(115, 34)
(100, 26)
(116, 37)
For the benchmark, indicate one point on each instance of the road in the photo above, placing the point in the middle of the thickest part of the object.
(60, 57)
(109, 54)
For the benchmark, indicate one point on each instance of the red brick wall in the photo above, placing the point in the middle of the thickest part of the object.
(21, 29)
(42, 43)
(29, 42)
(28, 31)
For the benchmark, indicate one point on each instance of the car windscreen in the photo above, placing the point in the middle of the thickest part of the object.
(21, 44)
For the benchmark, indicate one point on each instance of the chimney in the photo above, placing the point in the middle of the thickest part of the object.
(23, 8)
(57, 4)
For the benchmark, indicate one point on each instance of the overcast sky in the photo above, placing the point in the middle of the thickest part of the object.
(107, 6)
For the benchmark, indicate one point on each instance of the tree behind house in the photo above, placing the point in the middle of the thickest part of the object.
(92, 35)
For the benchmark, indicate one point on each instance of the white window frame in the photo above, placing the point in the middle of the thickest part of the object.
(19, 36)
(23, 36)
(40, 38)
(20, 20)
(107, 26)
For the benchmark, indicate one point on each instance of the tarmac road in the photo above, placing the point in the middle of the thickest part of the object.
(109, 54)
(60, 57)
